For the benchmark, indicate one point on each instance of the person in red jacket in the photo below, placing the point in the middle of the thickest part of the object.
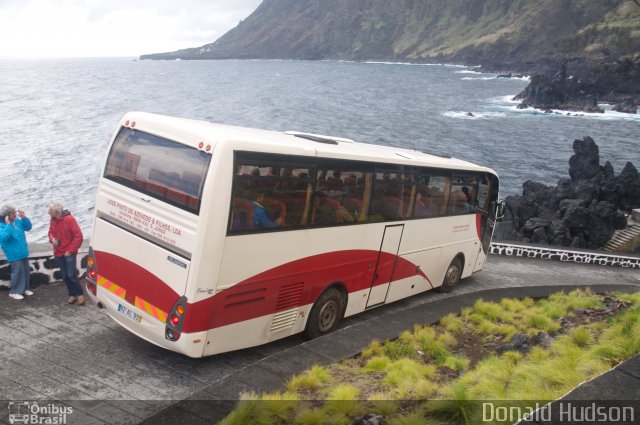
(66, 237)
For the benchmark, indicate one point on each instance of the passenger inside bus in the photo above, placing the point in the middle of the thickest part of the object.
(260, 218)
(329, 211)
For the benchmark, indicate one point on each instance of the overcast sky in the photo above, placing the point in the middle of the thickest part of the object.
(97, 28)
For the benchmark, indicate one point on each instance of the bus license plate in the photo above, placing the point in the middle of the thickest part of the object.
(131, 314)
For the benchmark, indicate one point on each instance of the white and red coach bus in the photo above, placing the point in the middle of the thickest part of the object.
(210, 238)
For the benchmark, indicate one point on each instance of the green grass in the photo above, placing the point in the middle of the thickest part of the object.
(313, 380)
(394, 378)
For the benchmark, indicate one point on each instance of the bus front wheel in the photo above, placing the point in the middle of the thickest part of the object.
(325, 314)
(451, 277)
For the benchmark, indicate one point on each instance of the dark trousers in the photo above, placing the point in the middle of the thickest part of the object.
(67, 266)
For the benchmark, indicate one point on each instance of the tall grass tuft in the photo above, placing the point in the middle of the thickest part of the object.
(248, 411)
(407, 370)
(398, 349)
(457, 363)
(492, 311)
(374, 349)
(377, 364)
(343, 401)
(452, 323)
(312, 380)
(581, 336)
(310, 416)
(455, 406)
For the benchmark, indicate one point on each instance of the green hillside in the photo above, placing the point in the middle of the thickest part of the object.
(470, 31)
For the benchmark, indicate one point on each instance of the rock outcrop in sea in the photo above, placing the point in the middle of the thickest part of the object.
(579, 85)
(582, 211)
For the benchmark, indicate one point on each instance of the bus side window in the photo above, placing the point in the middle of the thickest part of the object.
(388, 196)
(430, 197)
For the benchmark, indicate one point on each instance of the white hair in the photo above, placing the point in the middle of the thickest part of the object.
(7, 209)
(56, 206)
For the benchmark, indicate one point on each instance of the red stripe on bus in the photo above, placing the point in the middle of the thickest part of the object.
(259, 295)
(479, 225)
(136, 280)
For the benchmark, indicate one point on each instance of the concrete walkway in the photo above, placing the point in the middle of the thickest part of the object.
(76, 357)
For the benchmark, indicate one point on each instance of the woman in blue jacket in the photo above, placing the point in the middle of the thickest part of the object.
(13, 224)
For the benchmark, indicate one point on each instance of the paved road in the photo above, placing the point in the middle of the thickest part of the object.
(76, 360)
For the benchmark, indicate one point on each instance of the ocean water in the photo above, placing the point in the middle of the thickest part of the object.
(57, 117)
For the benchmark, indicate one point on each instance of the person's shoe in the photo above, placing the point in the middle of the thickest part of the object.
(16, 296)
(28, 293)
(80, 300)
(71, 300)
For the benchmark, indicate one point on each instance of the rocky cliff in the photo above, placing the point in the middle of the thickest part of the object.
(582, 211)
(509, 34)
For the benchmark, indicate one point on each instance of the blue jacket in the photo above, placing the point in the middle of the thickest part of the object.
(260, 218)
(13, 239)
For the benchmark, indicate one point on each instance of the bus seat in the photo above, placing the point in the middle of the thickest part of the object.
(392, 207)
(241, 214)
(353, 204)
(274, 205)
(457, 202)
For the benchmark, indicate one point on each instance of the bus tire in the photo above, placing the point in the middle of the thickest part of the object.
(326, 314)
(451, 277)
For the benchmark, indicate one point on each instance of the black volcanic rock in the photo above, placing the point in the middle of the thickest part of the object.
(585, 164)
(562, 91)
(582, 211)
(580, 84)
(627, 106)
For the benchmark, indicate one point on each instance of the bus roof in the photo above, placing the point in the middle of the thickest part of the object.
(192, 132)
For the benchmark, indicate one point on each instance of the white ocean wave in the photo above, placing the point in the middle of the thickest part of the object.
(502, 100)
(479, 78)
(446, 65)
(608, 115)
(473, 115)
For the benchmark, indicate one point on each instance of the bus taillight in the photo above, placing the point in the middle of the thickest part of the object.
(172, 335)
(176, 320)
(92, 273)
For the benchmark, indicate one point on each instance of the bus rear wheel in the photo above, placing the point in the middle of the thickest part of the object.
(326, 314)
(451, 277)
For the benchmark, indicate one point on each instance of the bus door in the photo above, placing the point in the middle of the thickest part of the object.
(385, 265)
(486, 204)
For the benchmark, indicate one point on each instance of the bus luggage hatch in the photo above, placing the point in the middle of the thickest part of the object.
(386, 264)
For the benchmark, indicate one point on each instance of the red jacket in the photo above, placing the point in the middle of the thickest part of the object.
(66, 230)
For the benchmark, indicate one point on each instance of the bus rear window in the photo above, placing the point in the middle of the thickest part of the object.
(166, 170)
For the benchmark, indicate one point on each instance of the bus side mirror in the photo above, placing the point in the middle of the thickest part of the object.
(500, 210)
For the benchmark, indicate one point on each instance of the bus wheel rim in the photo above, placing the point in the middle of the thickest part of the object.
(452, 275)
(327, 316)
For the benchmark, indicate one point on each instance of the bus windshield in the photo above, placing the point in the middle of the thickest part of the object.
(166, 170)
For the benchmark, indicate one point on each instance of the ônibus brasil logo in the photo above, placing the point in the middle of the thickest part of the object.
(26, 412)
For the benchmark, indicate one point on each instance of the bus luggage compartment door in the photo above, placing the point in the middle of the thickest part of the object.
(385, 265)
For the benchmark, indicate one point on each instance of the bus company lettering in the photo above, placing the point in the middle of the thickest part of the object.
(144, 222)
(461, 228)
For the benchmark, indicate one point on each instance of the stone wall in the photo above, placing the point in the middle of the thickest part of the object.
(44, 268)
